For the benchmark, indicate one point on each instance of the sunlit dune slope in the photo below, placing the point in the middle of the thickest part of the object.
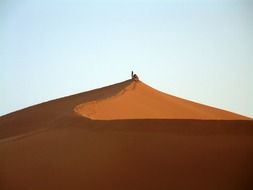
(139, 101)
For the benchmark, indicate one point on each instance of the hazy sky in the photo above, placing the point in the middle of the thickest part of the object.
(200, 50)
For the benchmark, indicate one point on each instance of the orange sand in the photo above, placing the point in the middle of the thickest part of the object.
(160, 144)
(139, 101)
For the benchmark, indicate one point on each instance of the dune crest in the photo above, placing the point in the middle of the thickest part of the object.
(139, 101)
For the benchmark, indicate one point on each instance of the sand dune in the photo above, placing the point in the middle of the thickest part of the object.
(139, 101)
(125, 136)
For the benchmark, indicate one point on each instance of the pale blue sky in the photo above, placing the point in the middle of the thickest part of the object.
(200, 50)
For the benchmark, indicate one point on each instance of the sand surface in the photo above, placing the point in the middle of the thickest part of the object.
(139, 101)
(95, 140)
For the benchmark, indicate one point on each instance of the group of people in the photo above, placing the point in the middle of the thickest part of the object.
(134, 76)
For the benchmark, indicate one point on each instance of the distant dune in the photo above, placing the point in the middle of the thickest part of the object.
(125, 136)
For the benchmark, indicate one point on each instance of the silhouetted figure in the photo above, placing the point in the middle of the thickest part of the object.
(134, 76)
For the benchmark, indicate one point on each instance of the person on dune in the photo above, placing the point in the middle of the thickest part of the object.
(134, 76)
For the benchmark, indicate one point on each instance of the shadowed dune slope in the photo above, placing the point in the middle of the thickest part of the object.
(125, 136)
(48, 114)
